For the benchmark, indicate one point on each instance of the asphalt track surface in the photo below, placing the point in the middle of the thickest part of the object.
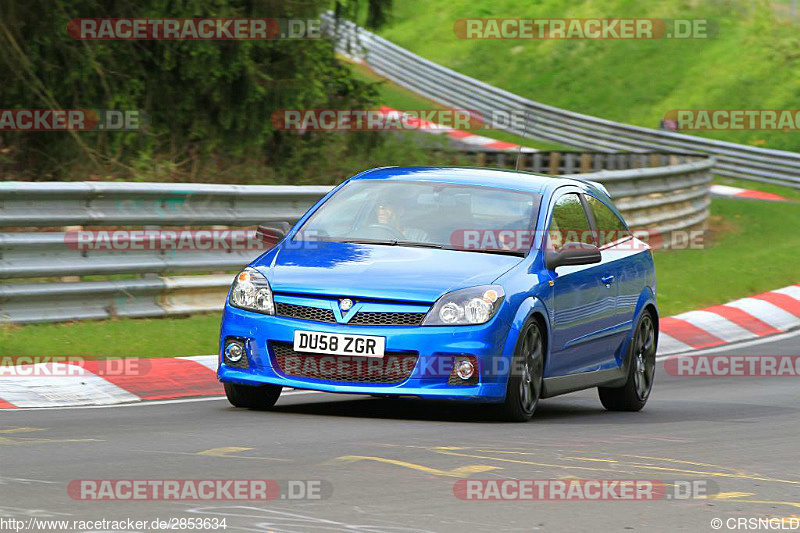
(392, 465)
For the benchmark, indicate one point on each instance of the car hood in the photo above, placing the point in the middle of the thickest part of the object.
(378, 271)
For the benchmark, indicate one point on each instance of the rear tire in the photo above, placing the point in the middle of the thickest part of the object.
(642, 367)
(525, 381)
(258, 397)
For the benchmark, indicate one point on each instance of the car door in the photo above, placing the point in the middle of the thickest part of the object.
(619, 251)
(584, 296)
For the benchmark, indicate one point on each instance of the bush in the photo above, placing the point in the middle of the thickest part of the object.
(209, 102)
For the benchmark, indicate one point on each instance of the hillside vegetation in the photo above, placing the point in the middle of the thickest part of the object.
(751, 63)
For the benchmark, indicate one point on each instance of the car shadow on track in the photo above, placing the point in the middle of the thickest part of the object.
(585, 410)
(393, 409)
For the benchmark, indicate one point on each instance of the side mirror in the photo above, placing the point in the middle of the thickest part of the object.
(272, 233)
(573, 253)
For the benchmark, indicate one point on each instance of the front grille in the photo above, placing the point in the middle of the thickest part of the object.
(370, 318)
(392, 368)
(362, 318)
(304, 312)
(241, 363)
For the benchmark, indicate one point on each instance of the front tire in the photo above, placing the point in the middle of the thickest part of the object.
(525, 382)
(258, 397)
(642, 367)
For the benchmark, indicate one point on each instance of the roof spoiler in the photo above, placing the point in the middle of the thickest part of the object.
(599, 186)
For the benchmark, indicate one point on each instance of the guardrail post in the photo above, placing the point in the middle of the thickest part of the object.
(586, 162)
(555, 160)
(67, 229)
(569, 163)
(537, 162)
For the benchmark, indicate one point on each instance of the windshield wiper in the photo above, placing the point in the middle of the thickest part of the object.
(419, 244)
(393, 243)
(368, 241)
(415, 244)
(518, 253)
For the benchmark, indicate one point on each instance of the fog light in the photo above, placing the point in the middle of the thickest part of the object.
(234, 351)
(465, 369)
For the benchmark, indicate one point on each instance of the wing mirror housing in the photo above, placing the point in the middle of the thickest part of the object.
(572, 254)
(272, 233)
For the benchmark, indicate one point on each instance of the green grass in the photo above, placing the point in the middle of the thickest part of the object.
(128, 337)
(752, 63)
(755, 249)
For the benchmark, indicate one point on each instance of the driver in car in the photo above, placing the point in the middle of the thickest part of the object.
(390, 214)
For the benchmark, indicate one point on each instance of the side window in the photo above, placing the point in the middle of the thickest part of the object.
(569, 222)
(609, 227)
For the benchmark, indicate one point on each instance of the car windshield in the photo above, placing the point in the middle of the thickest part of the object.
(425, 214)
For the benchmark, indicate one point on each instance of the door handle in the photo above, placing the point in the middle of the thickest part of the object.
(608, 279)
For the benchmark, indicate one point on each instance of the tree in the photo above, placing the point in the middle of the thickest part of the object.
(206, 100)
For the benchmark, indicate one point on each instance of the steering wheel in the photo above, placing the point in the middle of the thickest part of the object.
(383, 231)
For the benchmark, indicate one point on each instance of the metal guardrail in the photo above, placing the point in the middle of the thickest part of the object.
(52, 204)
(451, 88)
(664, 198)
(146, 297)
(73, 205)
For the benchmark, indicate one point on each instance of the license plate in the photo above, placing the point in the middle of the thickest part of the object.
(339, 344)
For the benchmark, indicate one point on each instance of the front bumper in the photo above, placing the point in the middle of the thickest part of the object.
(437, 347)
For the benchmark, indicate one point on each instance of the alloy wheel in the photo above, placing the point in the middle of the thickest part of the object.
(532, 361)
(644, 357)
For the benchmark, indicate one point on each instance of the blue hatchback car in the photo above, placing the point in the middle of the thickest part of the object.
(448, 283)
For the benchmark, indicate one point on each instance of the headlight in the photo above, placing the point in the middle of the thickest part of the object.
(475, 305)
(251, 291)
